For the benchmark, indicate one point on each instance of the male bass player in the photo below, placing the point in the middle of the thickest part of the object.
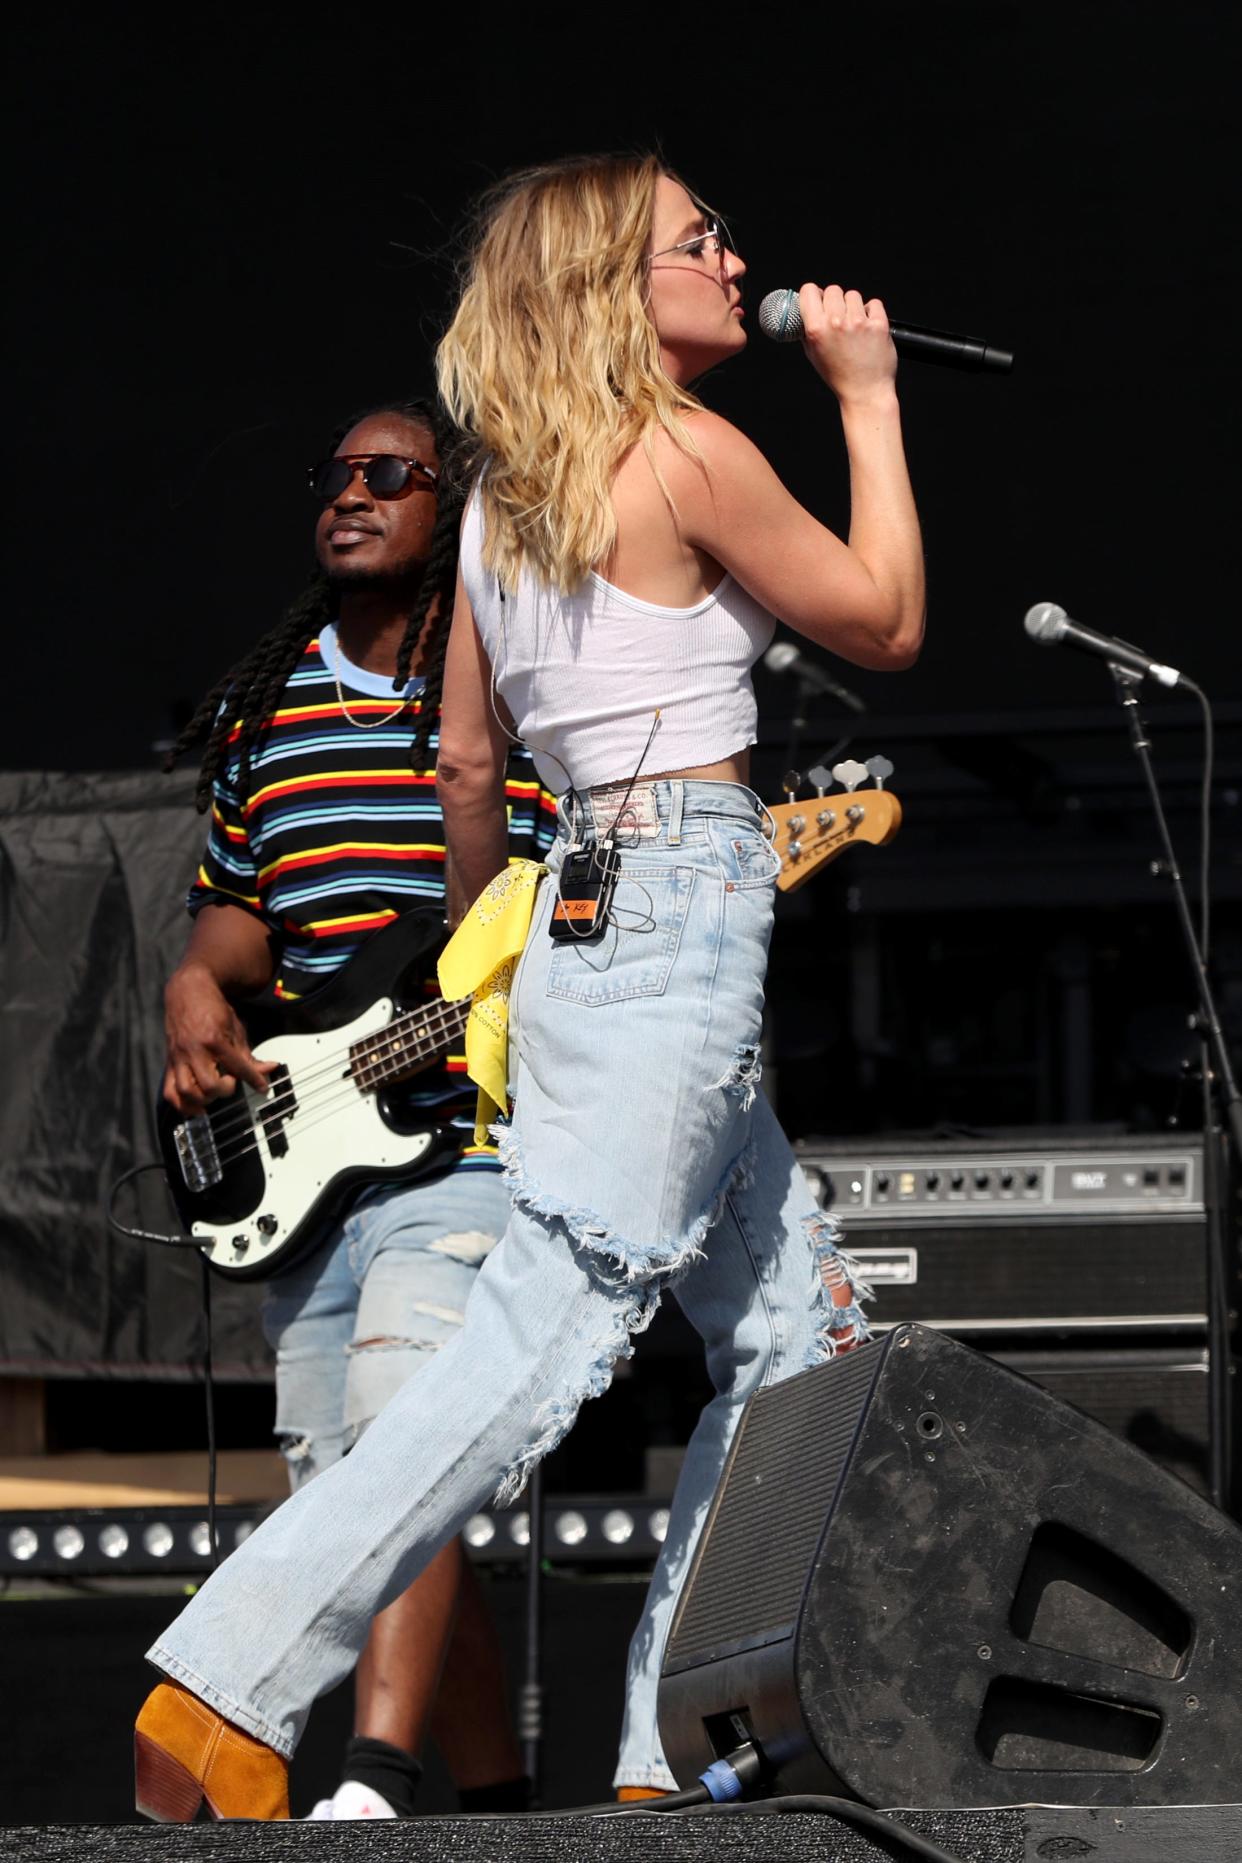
(319, 771)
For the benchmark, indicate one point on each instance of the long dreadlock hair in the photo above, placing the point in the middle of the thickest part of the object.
(253, 687)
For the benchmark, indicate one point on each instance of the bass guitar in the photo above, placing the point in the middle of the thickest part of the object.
(810, 833)
(257, 1178)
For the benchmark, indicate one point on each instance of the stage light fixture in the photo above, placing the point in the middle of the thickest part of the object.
(590, 1528)
(571, 1527)
(618, 1526)
(479, 1531)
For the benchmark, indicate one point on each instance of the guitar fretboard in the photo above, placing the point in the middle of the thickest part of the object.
(408, 1044)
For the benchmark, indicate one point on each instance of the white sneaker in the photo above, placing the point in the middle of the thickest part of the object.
(351, 1800)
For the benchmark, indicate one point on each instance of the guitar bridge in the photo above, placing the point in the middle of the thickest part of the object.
(197, 1154)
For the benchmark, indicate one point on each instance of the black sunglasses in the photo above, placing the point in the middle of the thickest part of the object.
(385, 475)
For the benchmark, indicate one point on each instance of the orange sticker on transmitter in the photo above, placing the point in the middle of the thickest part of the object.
(575, 909)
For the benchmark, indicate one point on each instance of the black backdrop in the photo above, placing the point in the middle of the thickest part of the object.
(234, 227)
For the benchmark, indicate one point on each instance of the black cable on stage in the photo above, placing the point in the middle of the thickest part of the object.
(697, 1802)
(846, 1810)
(167, 1241)
(210, 1390)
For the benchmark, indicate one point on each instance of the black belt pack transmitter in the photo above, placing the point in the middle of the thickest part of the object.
(584, 890)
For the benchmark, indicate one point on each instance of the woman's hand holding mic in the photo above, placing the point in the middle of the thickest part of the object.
(848, 343)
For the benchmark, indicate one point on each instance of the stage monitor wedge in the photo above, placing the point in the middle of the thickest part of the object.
(923, 1580)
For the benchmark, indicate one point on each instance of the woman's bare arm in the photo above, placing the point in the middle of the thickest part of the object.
(470, 765)
(863, 599)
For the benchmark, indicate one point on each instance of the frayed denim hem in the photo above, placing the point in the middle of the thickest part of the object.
(636, 1260)
(843, 1323)
(647, 1269)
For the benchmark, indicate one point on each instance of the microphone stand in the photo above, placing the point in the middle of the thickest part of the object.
(1220, 1096)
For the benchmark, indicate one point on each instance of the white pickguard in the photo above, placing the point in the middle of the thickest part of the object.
(337, 1127)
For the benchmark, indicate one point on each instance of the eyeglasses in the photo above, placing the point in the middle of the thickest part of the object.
(713, 243)
(385, 475)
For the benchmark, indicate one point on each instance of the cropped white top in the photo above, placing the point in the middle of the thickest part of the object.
(584, 674)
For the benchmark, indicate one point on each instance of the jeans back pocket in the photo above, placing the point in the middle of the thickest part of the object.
(635, 956)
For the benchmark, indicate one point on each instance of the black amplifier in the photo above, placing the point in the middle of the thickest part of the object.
(1038, 1234)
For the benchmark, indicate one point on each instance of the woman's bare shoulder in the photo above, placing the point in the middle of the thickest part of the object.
(718, 451)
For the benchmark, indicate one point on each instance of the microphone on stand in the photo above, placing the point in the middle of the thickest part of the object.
(780, 317)
(1049, 624)
(783, 657)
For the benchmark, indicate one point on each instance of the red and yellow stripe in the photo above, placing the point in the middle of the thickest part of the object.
(341, 850)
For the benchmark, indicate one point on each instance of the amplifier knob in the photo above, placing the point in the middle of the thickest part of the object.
(981, 1180)
(881, 1183)
(1006, 1180)
(957, 1181)
(933, 1180)
(1032, 1180)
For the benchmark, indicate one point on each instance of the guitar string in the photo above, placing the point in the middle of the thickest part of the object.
(433, 1016)
(294, 1097)
(329, 1110)
(246, 1135)
(322, 1114)
(338, 1084)
(323, 1106)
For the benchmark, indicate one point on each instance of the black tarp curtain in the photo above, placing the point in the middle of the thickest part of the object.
(93, 873)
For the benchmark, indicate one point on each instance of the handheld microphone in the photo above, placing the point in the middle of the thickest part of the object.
(783, 657)
(780, 317)
(1051, 627)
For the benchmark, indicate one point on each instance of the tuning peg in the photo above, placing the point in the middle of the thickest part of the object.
(881, 769)
(850, 773)
(820, 776)
(791, 783)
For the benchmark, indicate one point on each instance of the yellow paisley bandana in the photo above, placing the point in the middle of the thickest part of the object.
(479, 960)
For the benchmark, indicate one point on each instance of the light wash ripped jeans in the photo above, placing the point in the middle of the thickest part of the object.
(640, 1157)
(372, 1305)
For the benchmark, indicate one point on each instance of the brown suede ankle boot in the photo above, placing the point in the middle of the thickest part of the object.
(184, 1752)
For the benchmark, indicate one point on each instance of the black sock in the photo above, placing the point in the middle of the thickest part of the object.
(386, 1769)
(508, 1795)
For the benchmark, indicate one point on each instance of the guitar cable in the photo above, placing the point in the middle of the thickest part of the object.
(209, 1389)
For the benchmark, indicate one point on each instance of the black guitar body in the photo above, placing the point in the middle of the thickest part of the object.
(261, 1179)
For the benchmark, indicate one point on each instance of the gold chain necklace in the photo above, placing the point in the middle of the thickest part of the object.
(359, 724)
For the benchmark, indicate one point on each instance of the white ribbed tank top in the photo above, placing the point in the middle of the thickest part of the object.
(583, 674)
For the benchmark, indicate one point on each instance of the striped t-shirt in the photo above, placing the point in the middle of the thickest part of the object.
(330, 835)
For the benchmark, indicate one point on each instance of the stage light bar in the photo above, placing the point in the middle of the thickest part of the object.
(101, 1542)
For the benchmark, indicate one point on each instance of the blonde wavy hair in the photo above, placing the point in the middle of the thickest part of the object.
(551, 364)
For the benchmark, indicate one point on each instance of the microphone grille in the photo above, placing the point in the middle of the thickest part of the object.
(1045, 622)
(780, 316)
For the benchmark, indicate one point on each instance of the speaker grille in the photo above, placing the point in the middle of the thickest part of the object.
(791, 1447)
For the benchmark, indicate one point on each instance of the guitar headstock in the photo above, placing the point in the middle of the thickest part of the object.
(811, 832)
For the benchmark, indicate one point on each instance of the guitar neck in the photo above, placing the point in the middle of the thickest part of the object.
(409, 1044)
